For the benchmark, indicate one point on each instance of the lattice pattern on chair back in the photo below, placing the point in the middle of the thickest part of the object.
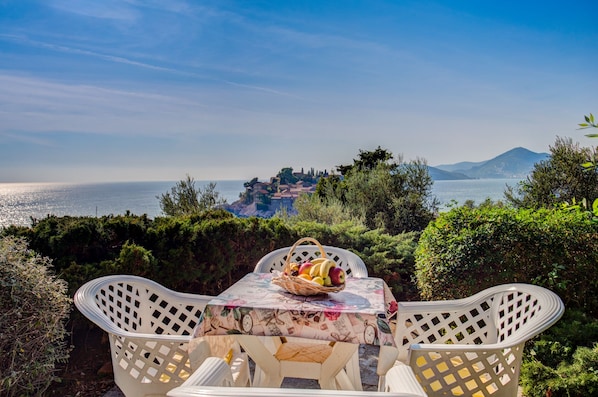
(345, 259)
(515, 313)
(464, 325)
(148, 326)
(474, 346)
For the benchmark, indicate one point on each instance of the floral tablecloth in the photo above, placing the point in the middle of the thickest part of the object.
(255, 306)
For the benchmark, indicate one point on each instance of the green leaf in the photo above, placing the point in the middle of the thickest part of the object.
(587, 118)
(383, 326)
(592, 135)
(591, 118)
(584, 125)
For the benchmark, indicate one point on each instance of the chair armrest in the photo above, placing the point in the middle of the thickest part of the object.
(445, 347)
(401, 379)
(213, 371)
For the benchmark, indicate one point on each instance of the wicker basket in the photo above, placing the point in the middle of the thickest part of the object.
(298, 285)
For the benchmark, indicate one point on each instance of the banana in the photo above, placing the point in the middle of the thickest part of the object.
(315, 270)
(316, 261)
(325, 267)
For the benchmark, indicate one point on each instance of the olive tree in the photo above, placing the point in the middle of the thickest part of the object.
(559, 179)
(591, 165)
(394, 196)
(185, 199)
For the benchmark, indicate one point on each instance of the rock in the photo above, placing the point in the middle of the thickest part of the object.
(106, 369)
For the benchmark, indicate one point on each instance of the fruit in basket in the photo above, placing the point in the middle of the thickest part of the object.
(318, 280)
(314, 271)
(293, 269)
(305, 267)
(315, 261)
(327, 281)
(305, 276)
(325, 267)
(337, 276)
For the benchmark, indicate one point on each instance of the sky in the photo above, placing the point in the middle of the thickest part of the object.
(134, 90)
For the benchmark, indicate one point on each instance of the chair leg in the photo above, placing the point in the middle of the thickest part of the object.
(268, 374)
(353, 371)
(333, 368)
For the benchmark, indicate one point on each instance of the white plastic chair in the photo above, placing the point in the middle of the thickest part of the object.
(473, 346)
(348, 261)
(149, 328)
(353, 266)
(213, 378)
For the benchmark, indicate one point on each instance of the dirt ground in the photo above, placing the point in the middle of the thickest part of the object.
(85, 373)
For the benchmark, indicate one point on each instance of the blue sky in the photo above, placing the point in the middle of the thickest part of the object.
(126, 90)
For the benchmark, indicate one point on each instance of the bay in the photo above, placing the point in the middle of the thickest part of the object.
(477, 190)
(19, 202)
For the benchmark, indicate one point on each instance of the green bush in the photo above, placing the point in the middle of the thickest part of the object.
(558, 343)
(468, 249)
(561, 359)
(33, 308)
(204, 253)
(578, 378)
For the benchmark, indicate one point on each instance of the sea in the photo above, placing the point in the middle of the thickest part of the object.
(20, 203)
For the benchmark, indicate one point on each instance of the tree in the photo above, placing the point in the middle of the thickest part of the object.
(591, 165)
(559, 179)
(250, 183)
(286, 176)
(185, 199)
(367, 161)
(393, 196)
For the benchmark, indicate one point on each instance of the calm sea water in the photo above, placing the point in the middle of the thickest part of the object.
(19, 202)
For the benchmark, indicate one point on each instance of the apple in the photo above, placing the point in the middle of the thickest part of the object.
(337, 276)
(305, 266)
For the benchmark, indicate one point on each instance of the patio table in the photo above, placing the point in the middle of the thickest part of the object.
(255, 307)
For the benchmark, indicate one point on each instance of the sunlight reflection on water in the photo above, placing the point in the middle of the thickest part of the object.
(19, 202)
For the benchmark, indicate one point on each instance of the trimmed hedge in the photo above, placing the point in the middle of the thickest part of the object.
(468, 249)
(203, 253)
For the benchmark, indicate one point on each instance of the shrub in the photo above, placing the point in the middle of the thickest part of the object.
(33, 307)
(468, 249)
(578, 378)
(562, 360)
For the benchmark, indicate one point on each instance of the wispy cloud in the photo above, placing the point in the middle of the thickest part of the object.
(107, 57)
(24, 40)
(25, 137)
(105, 9)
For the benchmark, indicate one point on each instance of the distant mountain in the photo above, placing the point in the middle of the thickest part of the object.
(464, 165)
(441, 175)
(516, 163)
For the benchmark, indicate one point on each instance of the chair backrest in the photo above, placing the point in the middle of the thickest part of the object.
(124, 303)
(507, 314)
(445, 342)
(351, 263)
